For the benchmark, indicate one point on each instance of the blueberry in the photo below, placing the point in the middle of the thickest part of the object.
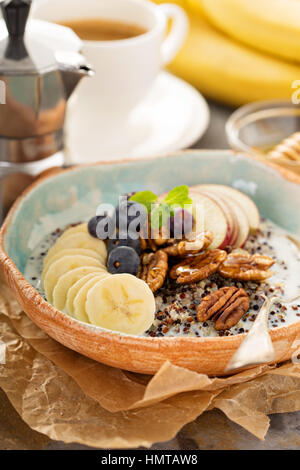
(123, 259)
(133, 243)
(130, 215)
(101, 226)
(181, 223)
(92, 225)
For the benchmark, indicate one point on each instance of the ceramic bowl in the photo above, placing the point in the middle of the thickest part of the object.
(74, 194)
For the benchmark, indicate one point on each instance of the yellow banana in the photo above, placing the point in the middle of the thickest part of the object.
(181, 3)
(272, 26)
(194, 6)
(188, 5)
(228, 71)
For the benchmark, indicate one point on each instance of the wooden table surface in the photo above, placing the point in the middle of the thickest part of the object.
(284, 432)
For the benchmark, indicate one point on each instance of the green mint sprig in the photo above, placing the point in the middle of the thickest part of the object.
(147, 198)
(160, 210)
(178, 196)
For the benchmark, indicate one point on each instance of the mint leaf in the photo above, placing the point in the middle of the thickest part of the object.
(178, 196)
(178, 191)
(147, 198)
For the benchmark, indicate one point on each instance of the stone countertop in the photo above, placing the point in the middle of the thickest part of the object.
(284, 432)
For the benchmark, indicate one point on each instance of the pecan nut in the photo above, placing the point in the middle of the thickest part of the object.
(198, 243)
(225, 307)
(243, 266)
(197, 268)
(153, 269)
(160, 236)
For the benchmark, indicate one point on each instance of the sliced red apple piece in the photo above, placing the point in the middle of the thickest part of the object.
(243, 223)
(244, 201)
(230, 217)
(236, 233)
(229, 212)
(209, 216)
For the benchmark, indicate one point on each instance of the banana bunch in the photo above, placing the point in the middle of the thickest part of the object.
(217, 60)
(272, 26)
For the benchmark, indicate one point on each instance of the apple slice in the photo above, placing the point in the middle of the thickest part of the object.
(243, 223)
(209, 216)
(236, 232)
(242, 228)
(241, 198)
(232, 228)
(231, 214)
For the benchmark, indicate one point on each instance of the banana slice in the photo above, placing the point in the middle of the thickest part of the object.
(67, 280)
(79, 240)
(70, 252)
(60, 267)
(82, 228)
(85, 240)
(74, 289)
(121, 302)
(80, 299)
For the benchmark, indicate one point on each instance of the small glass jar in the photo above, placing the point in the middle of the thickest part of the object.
(257, 128)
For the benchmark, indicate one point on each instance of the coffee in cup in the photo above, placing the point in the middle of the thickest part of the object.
(90, 29)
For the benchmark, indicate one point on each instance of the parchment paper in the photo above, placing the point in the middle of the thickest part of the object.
(71, 398)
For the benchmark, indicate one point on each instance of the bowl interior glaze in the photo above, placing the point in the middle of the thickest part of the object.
(73, 195)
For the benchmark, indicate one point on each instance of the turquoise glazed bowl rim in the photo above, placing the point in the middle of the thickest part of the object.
(150, 352)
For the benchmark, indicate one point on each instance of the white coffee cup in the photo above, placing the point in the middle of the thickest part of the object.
(125, 69)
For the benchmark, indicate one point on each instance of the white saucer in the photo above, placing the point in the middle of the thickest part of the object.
(173, 116)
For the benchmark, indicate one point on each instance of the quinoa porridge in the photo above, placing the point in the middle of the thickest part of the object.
(176, 304)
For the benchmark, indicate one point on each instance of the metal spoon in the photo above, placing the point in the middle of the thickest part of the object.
(257, 347)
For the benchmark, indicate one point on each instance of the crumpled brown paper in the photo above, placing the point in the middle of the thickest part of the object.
(72, 398)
